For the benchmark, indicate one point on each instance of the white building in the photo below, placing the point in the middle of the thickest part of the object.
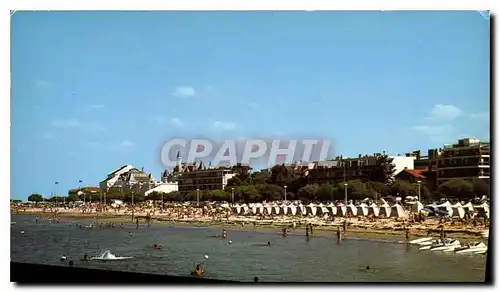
(165, 187)
(128, 179)
(402, 162)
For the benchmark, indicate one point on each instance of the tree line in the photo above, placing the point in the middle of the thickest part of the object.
(269, 186)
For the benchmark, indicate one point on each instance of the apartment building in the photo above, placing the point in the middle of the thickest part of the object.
(467, 159)
(360, 168)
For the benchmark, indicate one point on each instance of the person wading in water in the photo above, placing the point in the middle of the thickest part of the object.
(198, 271)
(224, 234)
(407, 235)
(136, 223)
(284, 230)
(307, 231)
(339, 235)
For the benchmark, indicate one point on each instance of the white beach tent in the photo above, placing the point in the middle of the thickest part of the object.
(457, 211)
(483, 211)
(277, 210)
(245, 209)
(352, 208)
(322, 209)
(284, 209)
(373, 209)
(384, 210)
(269, 209)
(341, 210)
(302, 209)
(332, 208)
(397, 211)
(311, 209)
(237, 209)
(257, 209)
(468, 207)
(293, 209)
(362, 209)
(446, 206)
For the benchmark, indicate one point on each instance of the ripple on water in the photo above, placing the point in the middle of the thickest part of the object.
(288, 259)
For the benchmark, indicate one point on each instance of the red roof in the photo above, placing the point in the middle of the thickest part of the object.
(416, 172)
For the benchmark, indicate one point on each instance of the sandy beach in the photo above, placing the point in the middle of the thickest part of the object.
(391, 229)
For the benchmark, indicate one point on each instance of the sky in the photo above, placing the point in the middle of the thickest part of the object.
(92, 91)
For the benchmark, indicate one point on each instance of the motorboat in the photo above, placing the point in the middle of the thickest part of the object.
(429, 244)
(420, 241)
(447, 243)
(474, 247)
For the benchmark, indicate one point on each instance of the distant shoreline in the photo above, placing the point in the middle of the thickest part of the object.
(356, 230)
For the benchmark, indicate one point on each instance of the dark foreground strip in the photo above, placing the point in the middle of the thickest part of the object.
(24, 273)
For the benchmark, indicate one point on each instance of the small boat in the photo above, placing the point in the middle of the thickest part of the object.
(473, 247)
(12, 223)
(428, 244)
(448, 243)
(421, 240)
(482, 252)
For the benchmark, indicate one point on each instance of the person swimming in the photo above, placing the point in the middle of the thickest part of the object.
(85, 258)
(70, 263)
(269, 243)
(198, 271)
(256, 279)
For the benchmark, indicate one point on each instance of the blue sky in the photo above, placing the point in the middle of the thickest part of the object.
(92, 91)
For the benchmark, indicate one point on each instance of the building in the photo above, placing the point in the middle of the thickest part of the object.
(360, 168)
(206, 179)
(412, 176)
(468, 159)
(164, 187)
(128, 179)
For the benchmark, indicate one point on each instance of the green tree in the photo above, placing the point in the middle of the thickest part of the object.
(271, 192)
(259, 178)
(35, 198)
(326, 192)
(385, 172)
(402, 188)
(462, 189)
(480, 187)
(356, 190)
(249, 194)
(379, 188)
(308, 193)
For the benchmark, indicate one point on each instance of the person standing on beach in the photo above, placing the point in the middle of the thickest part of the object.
(344, 226)
(407, 235)
(307, 231)
(284, 231)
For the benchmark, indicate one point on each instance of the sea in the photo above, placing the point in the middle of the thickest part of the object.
(288, 259)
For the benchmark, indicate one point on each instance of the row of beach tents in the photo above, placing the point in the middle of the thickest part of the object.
(383, 210)
(456, 210)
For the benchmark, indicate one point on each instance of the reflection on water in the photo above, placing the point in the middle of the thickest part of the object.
(292, 258)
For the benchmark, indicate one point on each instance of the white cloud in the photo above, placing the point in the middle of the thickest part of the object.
(127, 144)
(220, 125)
(444, 112)
(184, 91)
(71, 123)
(483, 116)
(42, 84)
(177, 122)
(97, 106)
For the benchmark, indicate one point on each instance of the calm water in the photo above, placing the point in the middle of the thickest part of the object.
(288, 259)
